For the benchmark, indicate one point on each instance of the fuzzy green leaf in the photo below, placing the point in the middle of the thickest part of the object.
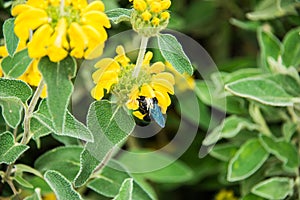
(61, 186)
(229, 128)
(35, 196)
(72, 127)
(18, 178)
(270, 47)
(58, 77)
(9, 150)
(274, 188)
(64, 160)
(10, 38)
(126, 189)
(16, 65)
(247, 160)
(118, 15)
(263, 90)
(223, 151)
(14, 88)
(11, 111)
(291, 46)
(284, 151)
(110, 125)
(165, 169)
(172, 52)
(37, 129)
(270, 9)
(110, 181)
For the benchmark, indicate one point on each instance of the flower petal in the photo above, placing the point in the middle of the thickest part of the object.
(37, 47)
(157, 68)
(97, 92)
(78, 40)
(95, 19)
(162, 86)
(147, 91)
(139, 115)
(164, 75)
(163, 100)
(56, 51)
(95, 5)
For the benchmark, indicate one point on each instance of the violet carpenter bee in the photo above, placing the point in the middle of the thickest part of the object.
(150, 107)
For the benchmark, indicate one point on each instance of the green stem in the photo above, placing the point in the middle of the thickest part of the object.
(141, 55)
(29, 111)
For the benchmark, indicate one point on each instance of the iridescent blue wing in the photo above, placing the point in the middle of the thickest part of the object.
(156, 114)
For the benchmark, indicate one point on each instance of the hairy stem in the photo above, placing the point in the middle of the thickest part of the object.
(141, 55)
(29, 111)
(8, 180)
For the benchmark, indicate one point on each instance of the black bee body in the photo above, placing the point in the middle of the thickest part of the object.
(149, 107)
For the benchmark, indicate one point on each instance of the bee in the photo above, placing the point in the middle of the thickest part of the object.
(150, 107)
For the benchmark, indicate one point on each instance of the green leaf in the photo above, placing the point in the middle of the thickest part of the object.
(252, 197)
(118, 15)
(223, 152)
(58, 77)
(246, 25)
(172, 52)
(18, 178)
(261, 89)
(247, 160)
(270, 47)
(72, 127)
(10, 38)
(14, 88)
(274, 188)
(291, 46)
(288, 130)
(16, 65)
(229, 128)
(270, 9)
(126, 189)
(61, 186)
(35, 196)
(20, 168)
(11, 111)
(110, 124)
(284, 151)
(64, 160)
(165, 169)
(9, 150)
(110, 181)
(37, 129)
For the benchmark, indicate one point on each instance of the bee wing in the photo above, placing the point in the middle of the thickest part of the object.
(156, 114)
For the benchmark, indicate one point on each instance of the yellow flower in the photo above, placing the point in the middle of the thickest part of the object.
(225, 195)
(51, 29)
(183, 81)
(115, 76)
(149, 17)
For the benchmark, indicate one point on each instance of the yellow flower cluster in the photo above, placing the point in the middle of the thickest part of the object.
(150, 16)
(225, 195)
(56, 28)
(115, 76)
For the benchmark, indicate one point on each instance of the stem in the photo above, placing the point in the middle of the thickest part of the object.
(9, 181)
(29, 111)
(141, 55)
(105, 160)
(61, 7)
